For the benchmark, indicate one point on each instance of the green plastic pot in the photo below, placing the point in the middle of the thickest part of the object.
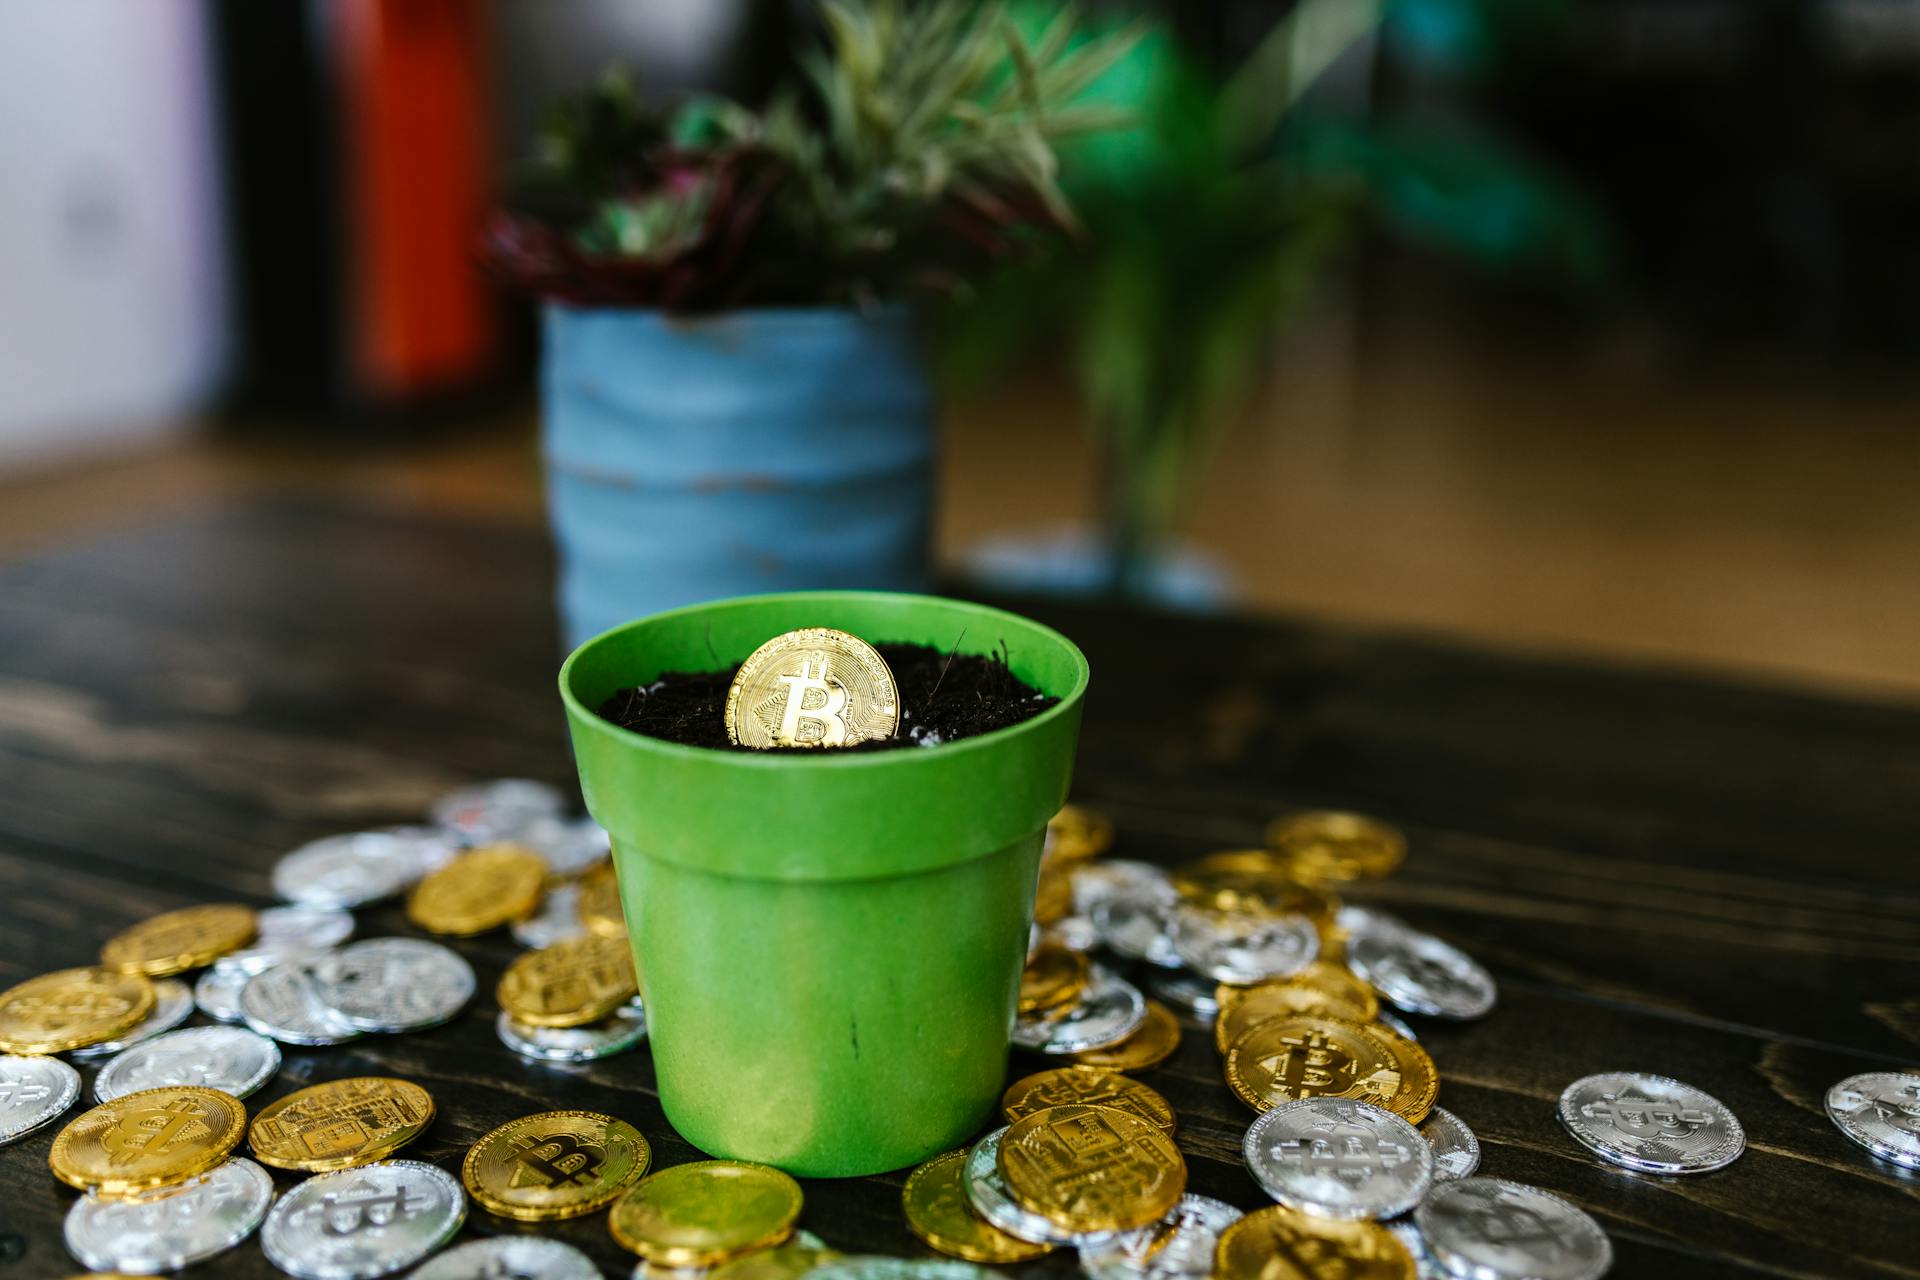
(829, 944)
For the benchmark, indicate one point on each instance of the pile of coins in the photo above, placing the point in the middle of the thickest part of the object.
(1368, 1177)
(155, 1159)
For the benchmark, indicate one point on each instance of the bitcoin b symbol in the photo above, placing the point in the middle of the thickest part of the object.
(1310, 1067)
(1513, 1225)
(560, 1160)
(1647, 1120)
(364, 1206)
(141, 1132)
(828, 713)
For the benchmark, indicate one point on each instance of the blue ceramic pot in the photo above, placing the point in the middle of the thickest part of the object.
(756, 451)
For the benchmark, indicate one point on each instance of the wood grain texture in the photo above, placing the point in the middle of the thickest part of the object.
(1707, 881)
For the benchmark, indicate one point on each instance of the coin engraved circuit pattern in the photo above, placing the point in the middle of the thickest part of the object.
(1651, 1123)
(1880, 1110)
(569, 984)
(1089, 1168)
(1066, 1086)
(1500, 1230)
(340, 1123)
(355, 1224)
(987, 1192)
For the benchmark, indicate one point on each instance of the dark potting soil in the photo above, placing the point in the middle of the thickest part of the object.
(943, 697)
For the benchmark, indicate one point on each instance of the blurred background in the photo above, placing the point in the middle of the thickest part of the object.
(1579, 325)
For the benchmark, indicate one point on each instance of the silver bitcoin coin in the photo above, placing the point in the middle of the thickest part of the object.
(1492, 1229)
(1456, 1152)
(1650, 1123)
(569, 845)
(508, 1258)
(1178, 1247)
(1129, 904)
(1195, 998)
(172, 1005)
(340, 872)
(626, 1028)
(990, 1197)
(1108, 1011)
(1242, 947)
(285, 1003)
(1420, 973)
(217, 993)
(877, 1267)
(230, 1059)
(172, 1227)
(355, 1224)
(290, 933)
(1338, 1158)
(1880, 1110)
(394, 984)
(487, 812)
(34, 1091)
(1425, 1265)
(556, 920)
(1075, 933)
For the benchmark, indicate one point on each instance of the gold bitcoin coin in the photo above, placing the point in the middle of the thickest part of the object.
(340, 1124)
(1075, 834)
(1053, 895)
(1318, 1057)
(570, 983)
(560, 1164)
(180, 940)
(938, 1211)
(788, 1261)
(815, 687)
(599, 904)
(1252, 881)
(1278, 1243)
(152, 1138)
(1150, 1046)
(481, 889)
(1248, 1007)
(1054, 976)
(696, 1215)
(1084, 1086)
(1088, 1169)
(1336, 846)
(71, 1009)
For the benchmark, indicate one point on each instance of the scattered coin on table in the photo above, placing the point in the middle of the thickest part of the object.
(701, 1214)
(558, 1164)
(1338, 1158)
(34, 1092)
(1880, 1110)
(340, 1123)
(148, 1139)
(172, 1005)
(231, 1059)
(1651, 1124)
(938, 1211)
(171, 1227)
(71, 1009)
(1489, 1227)
(354, 1224)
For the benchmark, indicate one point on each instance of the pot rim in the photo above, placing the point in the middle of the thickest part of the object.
(590, 718)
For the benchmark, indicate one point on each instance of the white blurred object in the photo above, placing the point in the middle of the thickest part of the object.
(112, 316)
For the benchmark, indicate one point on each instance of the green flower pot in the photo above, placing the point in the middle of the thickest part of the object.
(829, 945)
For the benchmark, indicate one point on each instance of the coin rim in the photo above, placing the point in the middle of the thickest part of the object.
(1879, 1150)
(164, 966)
(252, 1085)
(600, 1009)
(1169, 1125)
(448, 1231)
(1159, 1016)
(506, 910)
(1222, 1272)
(1416, 1110)
(69, 1093)
(173, 1261)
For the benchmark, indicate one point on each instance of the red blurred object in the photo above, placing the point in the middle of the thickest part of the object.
(416, 160)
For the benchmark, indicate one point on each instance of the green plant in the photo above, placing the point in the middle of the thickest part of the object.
(1209, 219)
(919, 147)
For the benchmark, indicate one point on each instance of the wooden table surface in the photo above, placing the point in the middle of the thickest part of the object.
(1665, 874)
